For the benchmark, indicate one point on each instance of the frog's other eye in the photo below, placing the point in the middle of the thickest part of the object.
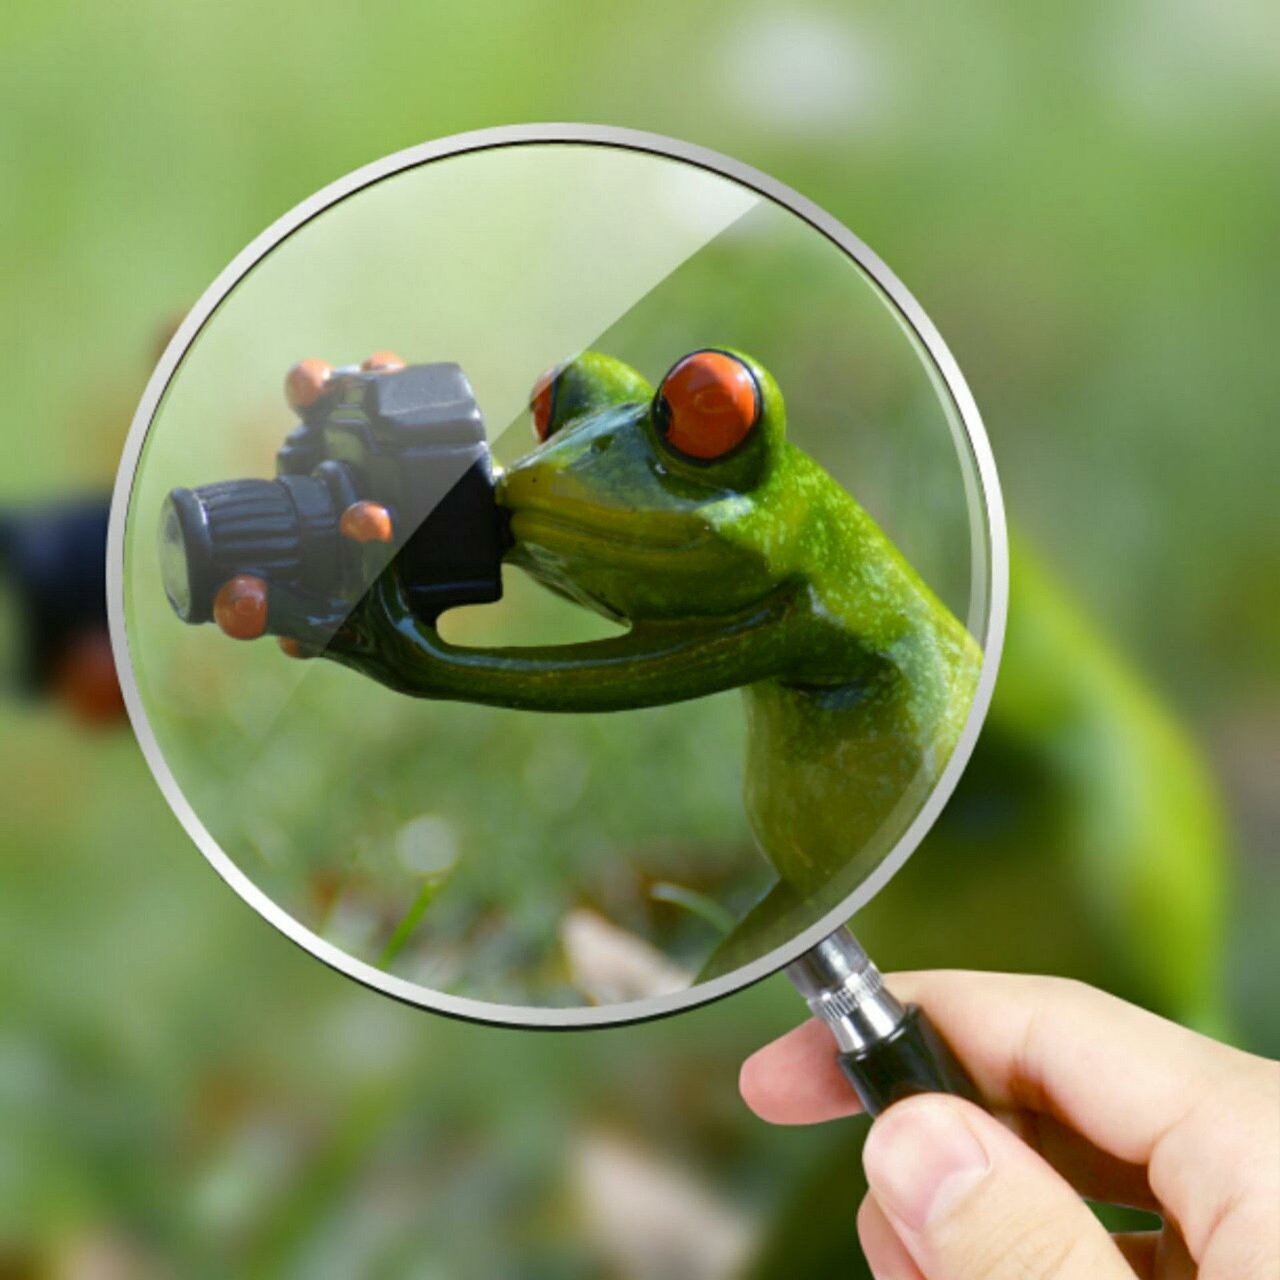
(542, 401)
(707, 405)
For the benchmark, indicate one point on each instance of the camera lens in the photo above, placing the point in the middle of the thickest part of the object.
(283, 530)
(174, 555)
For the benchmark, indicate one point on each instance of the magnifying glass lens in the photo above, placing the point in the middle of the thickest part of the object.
(634, 531)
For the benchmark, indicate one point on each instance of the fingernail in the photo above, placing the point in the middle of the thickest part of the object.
(921, 1157)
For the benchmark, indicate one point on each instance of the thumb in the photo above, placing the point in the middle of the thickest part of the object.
(967, 1199)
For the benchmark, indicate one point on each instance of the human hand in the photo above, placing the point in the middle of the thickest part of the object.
(1106, 1101)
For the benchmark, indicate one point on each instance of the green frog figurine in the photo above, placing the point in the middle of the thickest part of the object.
(734, 560)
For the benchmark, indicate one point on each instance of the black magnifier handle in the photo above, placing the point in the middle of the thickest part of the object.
(887, 1050)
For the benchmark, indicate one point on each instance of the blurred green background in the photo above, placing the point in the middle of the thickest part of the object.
(1083, 201)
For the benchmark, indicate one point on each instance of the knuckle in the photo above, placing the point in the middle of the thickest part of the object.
(1071, 988)
(1051, 1247)
(1046, 1251)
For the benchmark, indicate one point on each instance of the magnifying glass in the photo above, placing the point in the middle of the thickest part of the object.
(601, 615)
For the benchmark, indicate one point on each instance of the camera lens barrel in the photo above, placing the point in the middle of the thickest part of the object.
(283, 530)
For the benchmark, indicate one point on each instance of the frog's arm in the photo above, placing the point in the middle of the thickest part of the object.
(652, 664)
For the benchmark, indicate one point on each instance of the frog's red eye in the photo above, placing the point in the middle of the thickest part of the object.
(542, 401)
(708, 404)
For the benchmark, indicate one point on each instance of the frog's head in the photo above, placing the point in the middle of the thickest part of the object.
(653, 505)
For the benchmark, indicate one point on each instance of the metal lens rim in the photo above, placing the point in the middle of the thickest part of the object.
(910, 313)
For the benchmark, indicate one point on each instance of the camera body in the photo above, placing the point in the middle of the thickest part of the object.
(412, 441)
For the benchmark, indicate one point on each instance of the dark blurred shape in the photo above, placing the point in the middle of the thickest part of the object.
(52, 565)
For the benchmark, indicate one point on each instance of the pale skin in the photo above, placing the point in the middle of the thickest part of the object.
(1090, 1097)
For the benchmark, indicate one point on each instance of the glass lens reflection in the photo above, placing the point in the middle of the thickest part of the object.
(509, 855)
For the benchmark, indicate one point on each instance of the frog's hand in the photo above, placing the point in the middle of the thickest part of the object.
(650, 665)
(309, 627)
(773, 921)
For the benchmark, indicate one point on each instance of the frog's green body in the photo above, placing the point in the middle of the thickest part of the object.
(754, 570)
(868, 677)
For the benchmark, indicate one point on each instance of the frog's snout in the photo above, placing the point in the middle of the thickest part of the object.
(518, 485)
